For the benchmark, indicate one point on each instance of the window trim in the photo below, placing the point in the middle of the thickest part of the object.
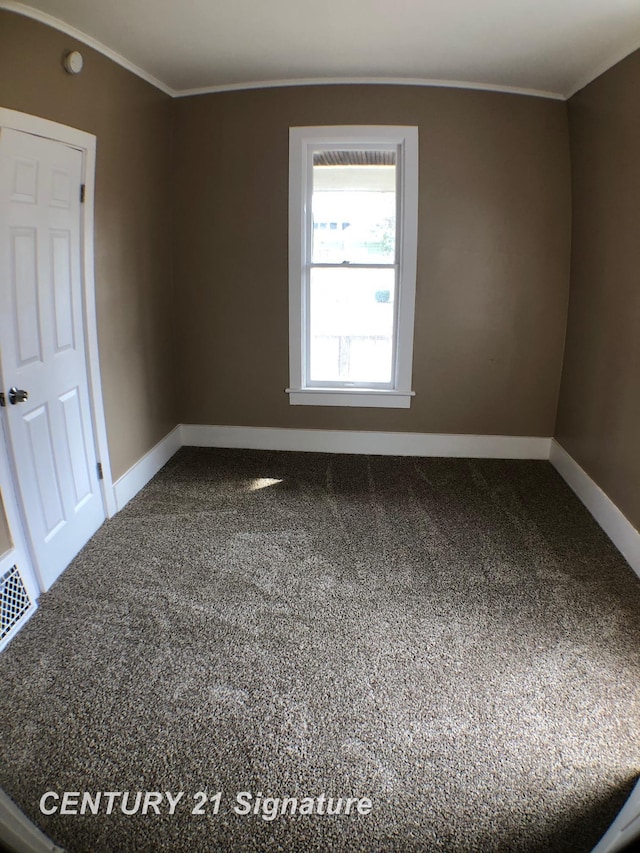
(302, 141)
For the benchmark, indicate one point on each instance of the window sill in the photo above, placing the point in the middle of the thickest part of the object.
(362, 397)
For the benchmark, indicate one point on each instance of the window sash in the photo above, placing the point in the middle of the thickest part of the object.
(317, 383)
(309, 264)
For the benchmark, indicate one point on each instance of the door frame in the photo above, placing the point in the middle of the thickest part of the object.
(86, 144)
(19, 553)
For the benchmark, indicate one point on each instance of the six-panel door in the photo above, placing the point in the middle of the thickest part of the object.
(43, 347)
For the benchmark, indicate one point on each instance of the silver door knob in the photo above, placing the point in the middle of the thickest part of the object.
(17, 396)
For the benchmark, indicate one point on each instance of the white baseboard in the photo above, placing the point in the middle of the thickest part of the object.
(625, 830)
(19, 833)
(145, 468)
(617, 527)
(375, 443)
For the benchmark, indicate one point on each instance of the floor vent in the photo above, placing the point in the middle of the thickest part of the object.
(14, 601)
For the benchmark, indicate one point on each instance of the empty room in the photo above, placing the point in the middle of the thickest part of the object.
(320, 405)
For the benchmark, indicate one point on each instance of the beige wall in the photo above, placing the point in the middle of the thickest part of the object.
(494, 237)
(493, 256)
(131, 120)
(599, 410)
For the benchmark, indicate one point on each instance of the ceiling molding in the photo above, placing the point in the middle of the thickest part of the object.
(67, 29)
(614, 59)
(62, 26)
(369, 81)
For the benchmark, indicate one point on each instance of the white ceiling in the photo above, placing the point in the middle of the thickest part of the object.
(550, 47)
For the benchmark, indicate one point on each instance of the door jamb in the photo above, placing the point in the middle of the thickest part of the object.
(19, 551)
(86, 143)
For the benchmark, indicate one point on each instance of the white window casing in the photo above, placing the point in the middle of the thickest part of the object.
(303, 143)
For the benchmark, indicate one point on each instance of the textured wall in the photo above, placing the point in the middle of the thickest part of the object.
(131, 120)
(493, 256)
(599, 411)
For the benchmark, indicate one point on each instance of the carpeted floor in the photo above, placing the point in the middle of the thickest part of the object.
(455, 640)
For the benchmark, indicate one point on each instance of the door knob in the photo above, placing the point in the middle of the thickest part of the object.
(17, 396)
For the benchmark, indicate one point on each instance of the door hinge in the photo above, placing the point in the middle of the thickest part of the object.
(99, 467)
(82, 192)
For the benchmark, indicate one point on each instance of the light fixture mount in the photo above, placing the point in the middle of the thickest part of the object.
(73, 62)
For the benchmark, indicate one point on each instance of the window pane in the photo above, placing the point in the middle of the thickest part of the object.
(351, 318)
(354, 207)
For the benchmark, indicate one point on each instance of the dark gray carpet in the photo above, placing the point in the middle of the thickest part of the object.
(456, 640)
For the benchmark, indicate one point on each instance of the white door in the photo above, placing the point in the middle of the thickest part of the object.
(42, 347)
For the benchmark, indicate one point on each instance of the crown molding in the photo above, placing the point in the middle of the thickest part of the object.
(613, 59)
(73, 32)
(369, 81)
(89, 41)
(62, 26)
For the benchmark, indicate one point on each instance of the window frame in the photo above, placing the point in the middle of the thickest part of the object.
(303, 141)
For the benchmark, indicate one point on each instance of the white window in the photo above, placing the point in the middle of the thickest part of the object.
(353, 211)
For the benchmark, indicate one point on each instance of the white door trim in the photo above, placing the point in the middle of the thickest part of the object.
(86, 143)
(18, 553)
